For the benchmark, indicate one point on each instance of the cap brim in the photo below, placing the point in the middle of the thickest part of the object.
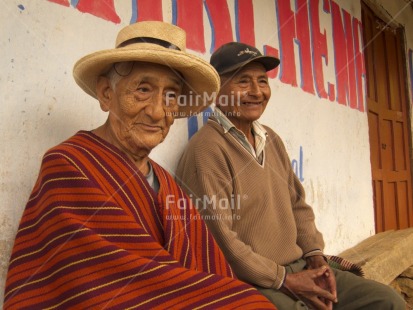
(268, 62)
(201, 81)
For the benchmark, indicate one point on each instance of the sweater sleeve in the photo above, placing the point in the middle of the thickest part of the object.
(209, 182)
(309, 239)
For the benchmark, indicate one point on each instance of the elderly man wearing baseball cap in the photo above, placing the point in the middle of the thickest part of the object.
(253, 202)
(105, 226)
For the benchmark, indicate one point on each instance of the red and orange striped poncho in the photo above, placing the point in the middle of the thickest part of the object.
(94, 235)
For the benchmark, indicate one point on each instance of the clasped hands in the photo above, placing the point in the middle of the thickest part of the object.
(316, 286)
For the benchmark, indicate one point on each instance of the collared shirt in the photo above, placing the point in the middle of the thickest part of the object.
(152, 179)
(259, 132)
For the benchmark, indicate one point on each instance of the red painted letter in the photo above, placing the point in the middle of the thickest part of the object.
(220, 22)
(303, 36)
(340, 54)
(100, 8)
(271, 51)
(351, 61)
(245, 22)
(62, 2)
(286, 28)
(189, 17)
(147, 10)
(319, 46)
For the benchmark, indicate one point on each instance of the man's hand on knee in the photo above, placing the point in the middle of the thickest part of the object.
(328, 281)
(307, 286)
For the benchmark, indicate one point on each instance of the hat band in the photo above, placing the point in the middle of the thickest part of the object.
(160, 42)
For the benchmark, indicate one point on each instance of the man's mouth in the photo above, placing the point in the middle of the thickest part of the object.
(251, 103)
(149, 127)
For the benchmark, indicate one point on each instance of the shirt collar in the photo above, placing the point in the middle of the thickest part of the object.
(260, 134)
(223, 120)
(259, 130)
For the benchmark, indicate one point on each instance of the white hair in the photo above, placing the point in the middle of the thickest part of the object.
(113, 73)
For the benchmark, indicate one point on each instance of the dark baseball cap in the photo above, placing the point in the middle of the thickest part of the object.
(234, 55)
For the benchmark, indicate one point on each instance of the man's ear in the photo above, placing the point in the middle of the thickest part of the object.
(104, 92)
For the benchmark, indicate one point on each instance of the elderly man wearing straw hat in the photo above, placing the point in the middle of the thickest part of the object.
(97, 231)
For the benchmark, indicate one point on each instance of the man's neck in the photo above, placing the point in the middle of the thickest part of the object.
(245, 128)
(141, 162)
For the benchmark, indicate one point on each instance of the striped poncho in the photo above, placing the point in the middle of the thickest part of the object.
(94, 235)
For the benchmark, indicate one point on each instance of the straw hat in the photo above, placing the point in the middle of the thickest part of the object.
(160, 43)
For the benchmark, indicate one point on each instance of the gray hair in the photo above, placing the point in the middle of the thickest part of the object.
(117, 71)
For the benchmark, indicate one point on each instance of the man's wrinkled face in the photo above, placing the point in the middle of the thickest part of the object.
(142, 106)
(244, 95)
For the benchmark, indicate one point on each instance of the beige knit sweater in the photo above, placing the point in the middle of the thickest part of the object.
(257, 213)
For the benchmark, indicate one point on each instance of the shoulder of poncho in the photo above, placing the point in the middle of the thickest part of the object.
(73, 142)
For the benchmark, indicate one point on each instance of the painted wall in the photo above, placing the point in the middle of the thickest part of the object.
(317, 105)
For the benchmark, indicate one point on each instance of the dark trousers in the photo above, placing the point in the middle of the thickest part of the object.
(353, 292)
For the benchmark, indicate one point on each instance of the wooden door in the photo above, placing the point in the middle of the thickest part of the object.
(389, 126)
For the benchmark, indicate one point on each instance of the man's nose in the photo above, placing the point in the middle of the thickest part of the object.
(156, 109)
(254, 89)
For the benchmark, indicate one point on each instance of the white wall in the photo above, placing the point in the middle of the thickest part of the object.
(41, 105)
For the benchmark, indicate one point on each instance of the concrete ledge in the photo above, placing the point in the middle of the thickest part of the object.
(383, 256)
